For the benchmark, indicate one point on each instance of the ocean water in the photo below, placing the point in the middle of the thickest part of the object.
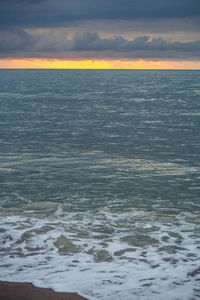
(100, 182)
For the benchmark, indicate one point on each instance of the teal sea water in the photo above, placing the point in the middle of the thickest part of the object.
(100, 182)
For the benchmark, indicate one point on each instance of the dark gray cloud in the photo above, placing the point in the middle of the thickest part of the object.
(92, 42)
(38, 28)
(15, 40)
(50, 13)
(19, 43)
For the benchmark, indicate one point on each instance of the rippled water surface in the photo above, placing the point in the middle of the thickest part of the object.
(100, 182)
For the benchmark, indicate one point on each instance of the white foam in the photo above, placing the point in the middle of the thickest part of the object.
(164, 270)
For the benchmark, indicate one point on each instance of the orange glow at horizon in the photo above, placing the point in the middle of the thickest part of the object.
(96, 64)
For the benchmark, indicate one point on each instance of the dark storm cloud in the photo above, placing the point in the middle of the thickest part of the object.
(19, 43)
(50, 13)
(15, 40)
(92, 42)
(37, 28)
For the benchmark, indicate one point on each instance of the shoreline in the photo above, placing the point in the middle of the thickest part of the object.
(24, 291)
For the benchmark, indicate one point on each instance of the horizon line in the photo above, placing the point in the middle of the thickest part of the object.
(108, 69)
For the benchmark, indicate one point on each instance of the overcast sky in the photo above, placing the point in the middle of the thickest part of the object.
(109, 29)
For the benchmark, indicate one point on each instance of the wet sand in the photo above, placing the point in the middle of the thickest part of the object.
(26, 291)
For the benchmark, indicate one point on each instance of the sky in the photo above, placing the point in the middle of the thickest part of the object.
(108, 34)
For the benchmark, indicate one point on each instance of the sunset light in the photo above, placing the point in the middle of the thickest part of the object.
(96, 64)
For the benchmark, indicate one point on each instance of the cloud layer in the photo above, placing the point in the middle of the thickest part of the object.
(21, 43)
(56, 13)
(32, 28)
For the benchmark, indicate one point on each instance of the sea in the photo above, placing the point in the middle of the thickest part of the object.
(100, 182)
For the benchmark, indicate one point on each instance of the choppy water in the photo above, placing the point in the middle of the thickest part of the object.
(99, 182)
